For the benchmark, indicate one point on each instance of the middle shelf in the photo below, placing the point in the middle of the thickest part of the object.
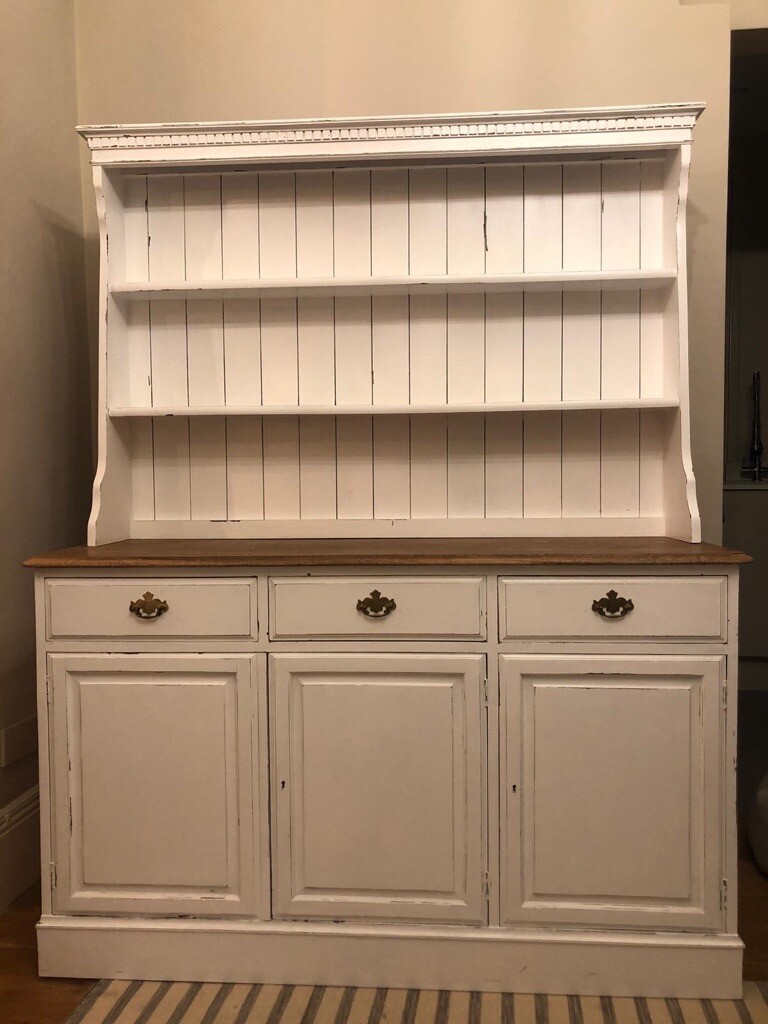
(294, 288)
(393, 410)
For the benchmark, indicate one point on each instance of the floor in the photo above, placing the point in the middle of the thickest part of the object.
(27, 999)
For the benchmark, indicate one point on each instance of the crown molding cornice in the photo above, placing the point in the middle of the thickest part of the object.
(382, 137)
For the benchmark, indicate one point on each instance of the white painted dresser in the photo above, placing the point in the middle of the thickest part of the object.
(395, 658)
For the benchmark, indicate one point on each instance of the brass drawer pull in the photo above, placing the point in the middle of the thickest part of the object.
(376, 606)
(148, 607)
(612, 606)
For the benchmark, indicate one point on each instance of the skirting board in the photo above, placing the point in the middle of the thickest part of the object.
(19, 845)
(572, 962)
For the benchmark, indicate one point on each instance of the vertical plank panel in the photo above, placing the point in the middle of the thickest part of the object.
(245, 479)
(620, 431)
(139, 354)
(389, 257)
(205, 352)
(165, 214)
(242, 345)
(277, 224)
(168, 340)
(136, 227)
(317, 385)
(466, 216)
(428, 329)
(543, 327)
(651, 342)
(389, 222)
(466, 466)
(542, 360)
(581, 345)
(466, 313)
(169, 353)
(351, 223)
(317, 447)
(205, 347)
(542, 470)
(504, 347)
(354, 468)
(652, 303)
(242, 352)
(466, 348)
(503, 465)
(427, 215)
(582, 226)
(504, 219)
(621, 344)
(354, 382)
(142, 469)
(171, 451)
(316, 353)
(581, 463)
(621, 214)
(208, 468)
(543, 217)
(620, 463)
(240, 224)
(654, 425)
(281, 467)
(391, 385)
(428, 255)
(429, 467)
(202, 226)
(136, 314)
(651, 214)
(354, 344)
(314, 223)
(581, 216)
(279, 352)
(391, 481)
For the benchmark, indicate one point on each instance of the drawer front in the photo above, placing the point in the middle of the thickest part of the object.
(195, 608)
(327, 607)
(662, 607)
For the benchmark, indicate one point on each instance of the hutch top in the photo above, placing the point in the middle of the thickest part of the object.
(460, 325)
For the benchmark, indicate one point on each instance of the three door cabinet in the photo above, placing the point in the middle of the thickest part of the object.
(514, 776)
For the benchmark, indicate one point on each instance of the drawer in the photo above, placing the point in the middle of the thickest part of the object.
(196, 608)
(663, 607)
(326, 607)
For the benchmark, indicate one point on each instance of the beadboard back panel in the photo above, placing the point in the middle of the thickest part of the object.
(437, 346)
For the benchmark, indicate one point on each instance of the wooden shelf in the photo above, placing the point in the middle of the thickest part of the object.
(291, 288)
(392, 410)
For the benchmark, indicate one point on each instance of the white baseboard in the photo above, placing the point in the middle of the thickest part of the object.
(19, 845)
(487, 960)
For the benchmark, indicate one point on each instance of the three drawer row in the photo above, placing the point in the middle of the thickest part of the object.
(390, 607)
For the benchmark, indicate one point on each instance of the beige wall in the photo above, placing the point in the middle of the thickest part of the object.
(749, 14)
(144, 60)
(44, 409)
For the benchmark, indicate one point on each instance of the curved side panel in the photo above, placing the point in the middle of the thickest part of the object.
(682, 507)
(111, 503)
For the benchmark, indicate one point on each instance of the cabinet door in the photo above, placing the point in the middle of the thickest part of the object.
(153, 783)
(610, 791)
(378, 786)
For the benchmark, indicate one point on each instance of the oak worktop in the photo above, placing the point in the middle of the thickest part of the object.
(182, 554)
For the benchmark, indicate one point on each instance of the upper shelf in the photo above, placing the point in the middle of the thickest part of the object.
(292, 288)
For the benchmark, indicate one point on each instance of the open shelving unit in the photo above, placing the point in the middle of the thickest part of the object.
(465, 325)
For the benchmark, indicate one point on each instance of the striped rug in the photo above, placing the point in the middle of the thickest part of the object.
(152, 1002)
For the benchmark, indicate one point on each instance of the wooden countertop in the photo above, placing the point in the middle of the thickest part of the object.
(222, 554)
